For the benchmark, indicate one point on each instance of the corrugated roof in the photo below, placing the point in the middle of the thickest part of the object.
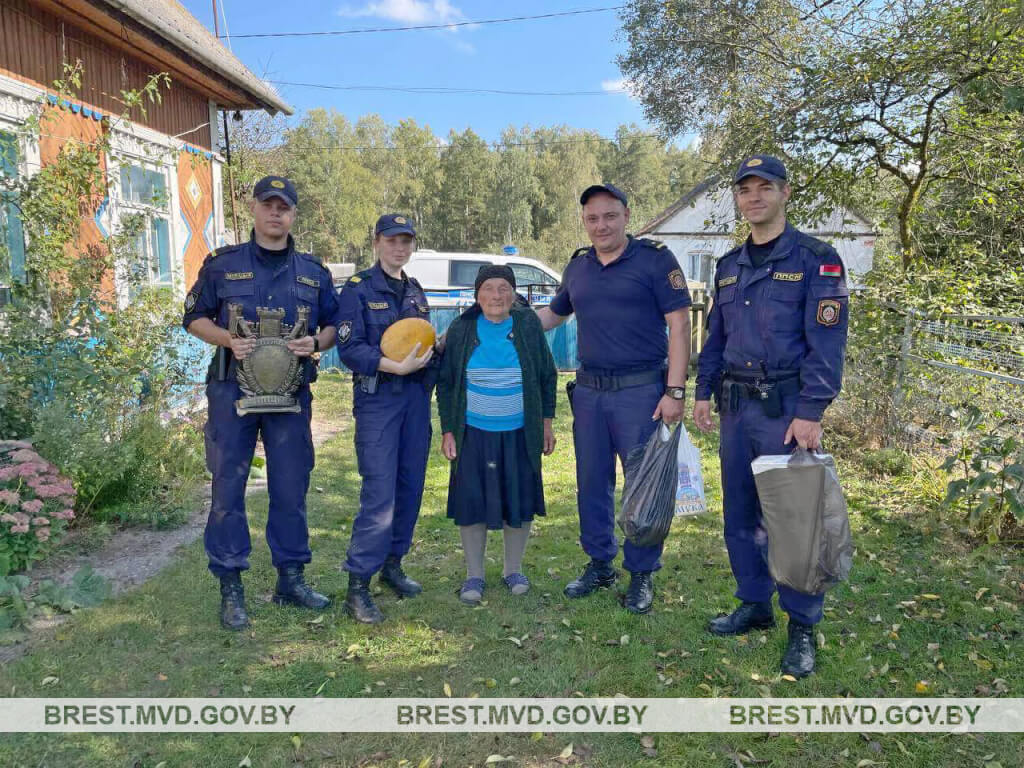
(170, 20)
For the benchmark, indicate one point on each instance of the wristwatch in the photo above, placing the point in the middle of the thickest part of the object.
(676, 393)
(316, 344)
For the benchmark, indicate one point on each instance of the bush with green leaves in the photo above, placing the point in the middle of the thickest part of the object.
(36, 505)
(990, 465)
(89, 378)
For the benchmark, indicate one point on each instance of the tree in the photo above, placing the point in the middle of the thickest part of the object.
(467, 165)
(842, 88)
(338, 195)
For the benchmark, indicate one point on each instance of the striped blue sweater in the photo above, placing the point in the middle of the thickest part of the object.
(494, 380)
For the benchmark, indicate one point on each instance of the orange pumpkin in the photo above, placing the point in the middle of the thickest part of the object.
(400, 337)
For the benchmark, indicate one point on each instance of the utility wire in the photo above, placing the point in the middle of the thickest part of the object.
(449, 25)
(446, 90)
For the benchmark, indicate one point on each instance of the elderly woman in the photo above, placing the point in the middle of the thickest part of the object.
(496, 398)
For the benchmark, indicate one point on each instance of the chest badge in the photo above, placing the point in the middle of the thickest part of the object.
(727, 281)
(378, 305)
(271, 374)
(789, 277)
(829, 311)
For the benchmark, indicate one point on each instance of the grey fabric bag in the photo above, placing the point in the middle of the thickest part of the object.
(803, 511)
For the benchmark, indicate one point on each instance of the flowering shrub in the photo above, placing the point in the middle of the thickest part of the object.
(36, 504)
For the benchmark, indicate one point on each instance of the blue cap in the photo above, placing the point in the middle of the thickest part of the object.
(764, 166)
(275, 186)
(608, 189)
(391, 224)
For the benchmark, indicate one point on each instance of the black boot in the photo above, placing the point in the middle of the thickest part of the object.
(292, 589)
(393, 575)
(359, 603)
(597, 574)
(640, 594)
(232, 602)
(798, 660)
(745, 618)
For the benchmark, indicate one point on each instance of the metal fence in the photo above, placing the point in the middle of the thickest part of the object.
(949, 360)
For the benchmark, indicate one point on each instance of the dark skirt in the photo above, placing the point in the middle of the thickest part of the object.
(494, 482)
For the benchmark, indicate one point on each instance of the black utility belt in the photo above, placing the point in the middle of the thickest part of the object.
(370, 385)
(768, 391)
(613, 382)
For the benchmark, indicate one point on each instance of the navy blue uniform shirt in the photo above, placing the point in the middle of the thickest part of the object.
(367, 306)
(240, 274)
(621, 307)
(789, 314)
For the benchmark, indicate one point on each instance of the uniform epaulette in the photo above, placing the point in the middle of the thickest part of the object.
(414, 281)
(652, 242)
(223, 249)
(579, 252)
(818, 247)
(312, 257)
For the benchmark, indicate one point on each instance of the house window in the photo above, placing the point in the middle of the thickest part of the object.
(12, 237)
(698, 266)
(143, 191)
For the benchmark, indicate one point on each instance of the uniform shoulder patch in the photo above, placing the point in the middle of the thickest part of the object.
(676, 279)
(354, 280)
(829, 312)
(651, 242)
(579, 252)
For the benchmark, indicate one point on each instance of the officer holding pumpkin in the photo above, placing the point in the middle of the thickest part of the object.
(392, 414)
(266, 272)
(774, 359)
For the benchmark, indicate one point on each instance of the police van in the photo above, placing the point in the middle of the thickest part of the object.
(447, 278)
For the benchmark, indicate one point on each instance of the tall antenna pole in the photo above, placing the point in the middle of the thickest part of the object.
(227, 144)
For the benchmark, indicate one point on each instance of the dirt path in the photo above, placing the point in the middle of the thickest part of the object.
(133, 556)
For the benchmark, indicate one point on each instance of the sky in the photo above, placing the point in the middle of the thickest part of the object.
(571, 53)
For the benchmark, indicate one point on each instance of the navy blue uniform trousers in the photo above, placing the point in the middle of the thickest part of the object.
(230, 443)
(392, 446)
(607, 424)
(746, 434)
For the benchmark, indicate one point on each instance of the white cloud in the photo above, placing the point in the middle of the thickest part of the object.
(622, 85)
(408, 11)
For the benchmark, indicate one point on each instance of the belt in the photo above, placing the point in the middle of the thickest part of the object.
(615, 382)
(744, 375)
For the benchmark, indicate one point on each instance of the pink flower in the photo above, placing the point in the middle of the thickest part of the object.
(48, 491)
(65, 514)
(26, 455)
(37, 521)
(9, 473)
(32, 507)
(28, 470)
(8, 518)
(10, 445)
(10, 498)
(20, 528)
(42, 533)
(22, 519)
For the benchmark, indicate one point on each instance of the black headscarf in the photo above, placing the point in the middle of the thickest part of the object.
(488, 271)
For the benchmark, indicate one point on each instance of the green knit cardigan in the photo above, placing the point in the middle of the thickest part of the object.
(540, 377)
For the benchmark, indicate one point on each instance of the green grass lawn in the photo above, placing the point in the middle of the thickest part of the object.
(922, 612)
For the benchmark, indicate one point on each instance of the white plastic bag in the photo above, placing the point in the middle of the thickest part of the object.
(690, 488)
